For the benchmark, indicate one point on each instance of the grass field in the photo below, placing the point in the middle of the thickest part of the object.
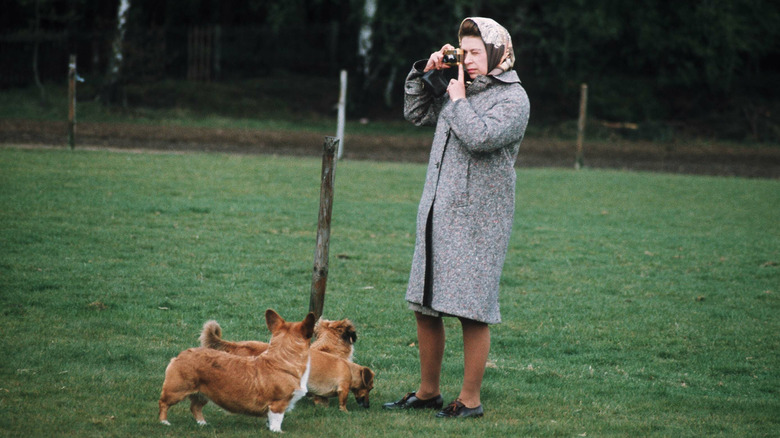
(634, 304)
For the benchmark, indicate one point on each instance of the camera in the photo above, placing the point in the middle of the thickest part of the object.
(453, 57)
(436, 81)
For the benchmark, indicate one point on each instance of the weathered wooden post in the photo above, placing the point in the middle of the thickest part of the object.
(72, 102)
(581, 125)
(320, 274)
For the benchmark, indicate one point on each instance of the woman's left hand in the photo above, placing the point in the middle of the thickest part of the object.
(457, 87)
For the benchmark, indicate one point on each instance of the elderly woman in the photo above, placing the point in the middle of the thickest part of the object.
(465, 215)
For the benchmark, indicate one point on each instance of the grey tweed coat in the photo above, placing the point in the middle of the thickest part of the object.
(470, 192)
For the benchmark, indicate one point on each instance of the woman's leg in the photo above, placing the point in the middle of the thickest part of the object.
(431, 339)
(476, 346)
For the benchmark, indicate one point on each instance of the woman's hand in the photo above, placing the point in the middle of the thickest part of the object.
(457, 87)
(435, 61)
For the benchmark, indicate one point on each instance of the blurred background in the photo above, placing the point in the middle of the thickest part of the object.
(655, 69)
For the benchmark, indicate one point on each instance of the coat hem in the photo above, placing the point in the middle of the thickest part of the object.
(428, 311)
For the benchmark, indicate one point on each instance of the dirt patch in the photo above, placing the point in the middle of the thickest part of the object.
(639, 156)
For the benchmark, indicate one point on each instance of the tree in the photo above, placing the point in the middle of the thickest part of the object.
(365, 39)
(45, 24)
(111, 89)
(36, 47)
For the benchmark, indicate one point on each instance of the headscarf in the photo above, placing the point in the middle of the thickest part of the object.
(498, 44)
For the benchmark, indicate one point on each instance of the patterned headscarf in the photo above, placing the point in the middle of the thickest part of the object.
(498, 44)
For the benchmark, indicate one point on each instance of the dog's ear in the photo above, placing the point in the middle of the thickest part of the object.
(367, 376)
(273, 320)
(307, 325)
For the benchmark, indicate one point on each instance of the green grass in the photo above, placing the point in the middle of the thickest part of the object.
(634, 304)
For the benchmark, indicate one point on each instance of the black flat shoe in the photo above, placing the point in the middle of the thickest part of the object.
(457, 409)
(410, 401)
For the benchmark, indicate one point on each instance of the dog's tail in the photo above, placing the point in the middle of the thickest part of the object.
(211, 336)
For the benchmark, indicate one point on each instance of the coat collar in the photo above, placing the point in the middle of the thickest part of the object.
(483, 81)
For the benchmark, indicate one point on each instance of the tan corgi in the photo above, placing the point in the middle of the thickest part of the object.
(266, 384)
(335, 337)
(332, 376)
(332, 373)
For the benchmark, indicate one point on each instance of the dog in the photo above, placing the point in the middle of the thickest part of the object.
(332, 376)
(266, 384)
(332, 372)
(335, 337)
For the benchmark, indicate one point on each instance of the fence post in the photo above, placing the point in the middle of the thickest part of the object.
(342, 112)
(72, 102)
(581, 125)
(320, 274)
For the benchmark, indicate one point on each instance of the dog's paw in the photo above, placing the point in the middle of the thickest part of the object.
(202, 422)
(275, 421)
(165, 423)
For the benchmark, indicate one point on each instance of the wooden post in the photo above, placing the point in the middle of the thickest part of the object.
(581, 125)
(72, 102)
(320, 274)
(342, 112)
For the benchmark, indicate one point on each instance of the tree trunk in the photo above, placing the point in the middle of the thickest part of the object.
(111, 89)
(365, 39)
(36, 46)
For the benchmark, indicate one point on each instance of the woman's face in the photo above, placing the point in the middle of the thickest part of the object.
(475, 56)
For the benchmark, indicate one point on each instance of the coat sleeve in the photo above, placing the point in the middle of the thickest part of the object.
(420, 106)
(497, 125)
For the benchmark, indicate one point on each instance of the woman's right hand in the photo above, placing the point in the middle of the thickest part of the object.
(435, 61)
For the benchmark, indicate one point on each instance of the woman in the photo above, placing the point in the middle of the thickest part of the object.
(465, 215)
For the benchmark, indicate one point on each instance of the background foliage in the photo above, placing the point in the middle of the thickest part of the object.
(697, 66)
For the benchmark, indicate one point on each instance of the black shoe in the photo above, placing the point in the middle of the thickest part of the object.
(458, 409)
(410, 401)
